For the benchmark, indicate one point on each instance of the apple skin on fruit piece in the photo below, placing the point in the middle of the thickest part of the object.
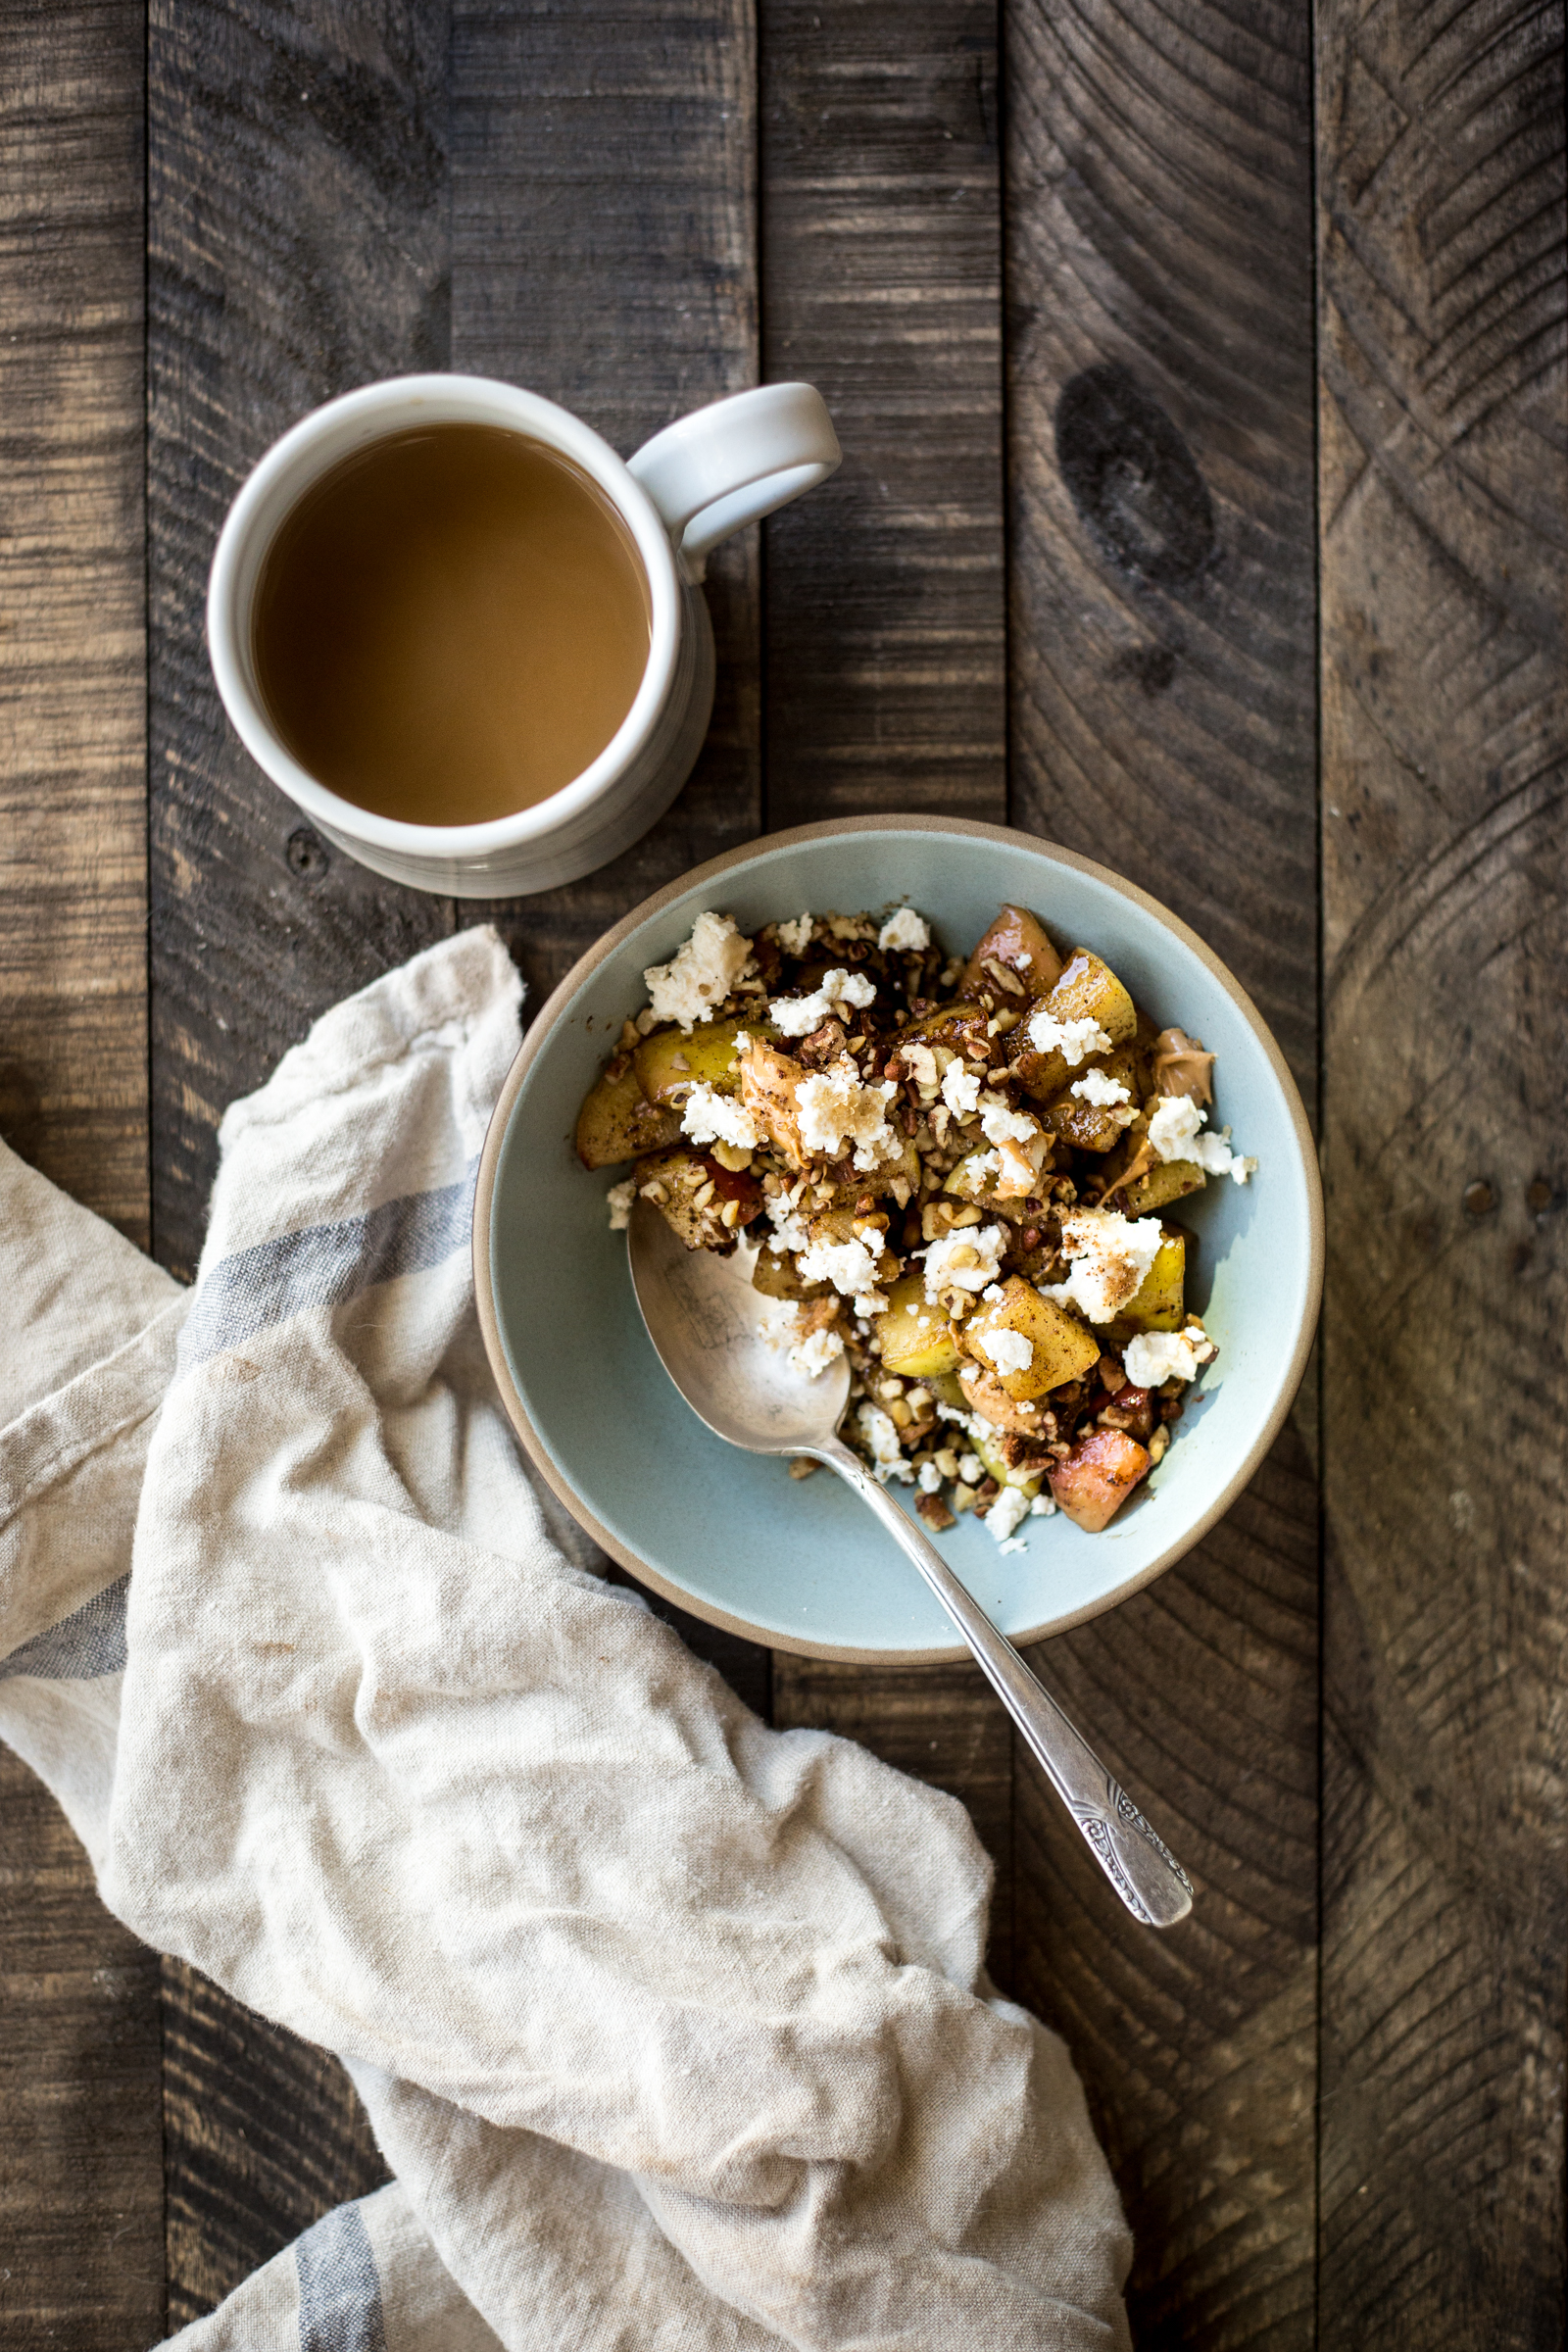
(913, 1351)
(1160, 1302)
(618, 1122)
(1088, 991)
(1016, 940)
(1091, 1126)
(668, 1065)
(1097, 1476)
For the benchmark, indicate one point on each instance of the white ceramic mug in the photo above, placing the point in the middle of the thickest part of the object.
(683, 492)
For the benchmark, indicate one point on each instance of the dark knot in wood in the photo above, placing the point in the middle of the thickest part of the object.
(1133, 478)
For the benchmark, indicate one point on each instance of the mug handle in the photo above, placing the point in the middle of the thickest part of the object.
(728, 465)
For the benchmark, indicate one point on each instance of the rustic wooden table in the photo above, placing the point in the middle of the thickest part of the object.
(1309, 688)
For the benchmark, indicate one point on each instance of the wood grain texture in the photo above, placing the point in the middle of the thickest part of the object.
(297, 246)
(72, 782)
(885, 645)
(297, 239)
(264, 2135)
(604, 216)
(1160, 406)
(81, 2188)
(1444, 506)
(881, 265)
(82, 2205)
(612, 147)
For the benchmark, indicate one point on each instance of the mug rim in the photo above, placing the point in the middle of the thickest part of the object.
(449, 397)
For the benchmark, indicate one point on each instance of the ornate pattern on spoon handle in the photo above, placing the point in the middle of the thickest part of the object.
(1139, 1864)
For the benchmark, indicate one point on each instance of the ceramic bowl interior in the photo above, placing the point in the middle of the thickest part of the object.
(802, 1564)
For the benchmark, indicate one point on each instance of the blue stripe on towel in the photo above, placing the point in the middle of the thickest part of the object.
(324, 1264)
(340, 2289)
(89, 1643)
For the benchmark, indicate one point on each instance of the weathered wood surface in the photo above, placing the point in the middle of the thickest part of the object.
(81, 2204)
(1445, 510)
(1159, 406)
(72, 682)
(81, 2178)
(604, 231)
(297, 244)
(335, 194)
(881, 265)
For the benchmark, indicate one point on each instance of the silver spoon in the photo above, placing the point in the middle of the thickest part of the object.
(723, 1345)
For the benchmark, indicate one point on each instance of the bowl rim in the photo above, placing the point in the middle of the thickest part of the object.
(541, 1026)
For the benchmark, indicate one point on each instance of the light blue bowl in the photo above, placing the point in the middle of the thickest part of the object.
(802, 1564)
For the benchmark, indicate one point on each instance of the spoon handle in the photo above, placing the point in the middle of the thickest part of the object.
(1148, 1877)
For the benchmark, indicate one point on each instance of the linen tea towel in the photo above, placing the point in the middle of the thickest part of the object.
(672, 2028)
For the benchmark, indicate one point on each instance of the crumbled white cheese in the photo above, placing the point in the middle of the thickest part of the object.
(850, 1266)
(930, 1478)
(966, 1260)
(712, 1119)
(816, 1351)
(798, 1016)
(1215, 1158)
(1173, 1134)
(1152, 1357)
(1074, 1041)
(794, 938)
(701, 974)
(783, 1214)
(1173, 1124)
(904, 932)
(1010, 1507)
(881, 1436)
(1044, 1506)
(971, 1469)
(1111, 1254)
(620, 1198)
(1008, 1351)
(960, 1089)
(834, 1109)
(1104, 1092)
(992, 1292)
(1000, 1125)
(972, 1424)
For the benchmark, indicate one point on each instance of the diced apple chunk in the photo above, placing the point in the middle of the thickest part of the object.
(618, 1122)
(1097, 1476)
(1017, 941)
(1159, 1303)
(668, 1065)
(1060, 1348)
(916, 1342)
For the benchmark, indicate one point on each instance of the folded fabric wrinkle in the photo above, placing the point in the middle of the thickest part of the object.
(673, 2029)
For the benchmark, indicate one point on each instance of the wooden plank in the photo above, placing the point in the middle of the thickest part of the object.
(297, 246)
(881, 264)
(1444, 502)
(73, 749)
(82, 2183)
(612, 147)
(81, 2197)
(1161, 390)
(885, 601)
(264, 2135)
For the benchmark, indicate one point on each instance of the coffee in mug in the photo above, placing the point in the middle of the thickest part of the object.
(468, 639)
(451, 624)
